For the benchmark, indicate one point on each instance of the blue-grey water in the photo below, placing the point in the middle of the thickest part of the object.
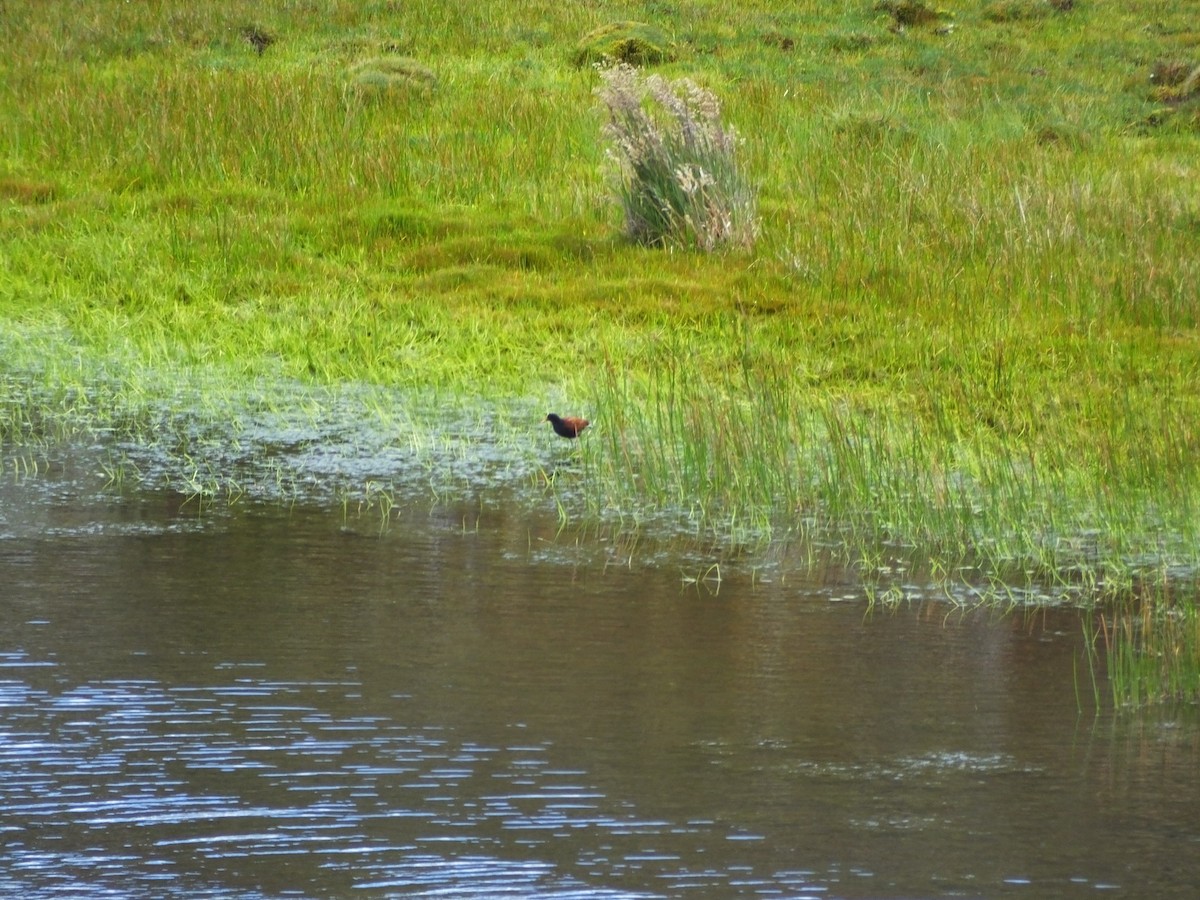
(286, 701)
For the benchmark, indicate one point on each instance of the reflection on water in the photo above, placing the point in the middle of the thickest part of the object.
(266, 703)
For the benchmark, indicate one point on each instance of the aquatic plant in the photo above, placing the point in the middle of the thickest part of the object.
(758, 449)
(1152, 649)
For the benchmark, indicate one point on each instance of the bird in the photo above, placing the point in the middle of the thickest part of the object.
(567, 426)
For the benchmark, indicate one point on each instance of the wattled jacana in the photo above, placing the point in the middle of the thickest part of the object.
(567, 426)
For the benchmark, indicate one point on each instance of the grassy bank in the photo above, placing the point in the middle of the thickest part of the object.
(968, 327)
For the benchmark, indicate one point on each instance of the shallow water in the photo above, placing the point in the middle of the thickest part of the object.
(267, 701)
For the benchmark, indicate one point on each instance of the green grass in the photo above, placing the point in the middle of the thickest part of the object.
(1150, 651)
(968, 327)
(677, 176)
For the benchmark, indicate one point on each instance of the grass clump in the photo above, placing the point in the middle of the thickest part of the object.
(393, 75)
(1017, 10)
(257, 37)
(911, 13)
(1176, 92)
(26, 191)
(632, 43)
(850, 41)
(678, 183)
(1175, 82)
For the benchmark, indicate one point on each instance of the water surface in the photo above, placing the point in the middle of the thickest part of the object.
(268, 702)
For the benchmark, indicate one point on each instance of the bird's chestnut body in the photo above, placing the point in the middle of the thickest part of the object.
(567, 426)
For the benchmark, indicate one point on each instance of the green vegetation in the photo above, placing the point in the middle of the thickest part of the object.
(678, 180)
(1151, 647)
(969, 326)
(393, 73)
(632, 43)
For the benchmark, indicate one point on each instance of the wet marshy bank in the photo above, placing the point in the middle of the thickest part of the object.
(259, 701)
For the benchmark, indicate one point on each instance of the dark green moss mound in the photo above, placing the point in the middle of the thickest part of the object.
(1175, 87)
(393, 75)
(1018, 10)
(634, 43)
(1175, 82)
(257, 37)
(911, 13)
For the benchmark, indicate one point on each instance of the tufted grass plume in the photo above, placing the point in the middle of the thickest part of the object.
(678, 181)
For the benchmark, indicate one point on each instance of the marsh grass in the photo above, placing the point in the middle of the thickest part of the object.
(677, 178)
(967, 327)
(1152, 650)
(758, 454)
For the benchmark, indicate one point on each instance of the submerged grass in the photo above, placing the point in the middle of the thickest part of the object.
(968, 327)
(757, 449)
(1150, 650)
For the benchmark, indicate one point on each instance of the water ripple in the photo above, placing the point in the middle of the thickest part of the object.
(119, 786)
